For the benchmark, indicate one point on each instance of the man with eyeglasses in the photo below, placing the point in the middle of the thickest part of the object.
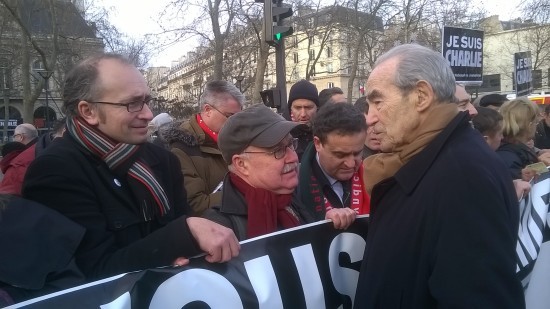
(126, 193)
(263, 173)
(25, 133)
(331, 173)
(195, 143)
(14, 171)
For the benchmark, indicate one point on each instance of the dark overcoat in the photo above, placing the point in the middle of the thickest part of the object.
(443, 230)
(71, 180)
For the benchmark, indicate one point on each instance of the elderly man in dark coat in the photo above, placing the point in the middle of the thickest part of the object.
(444, 216)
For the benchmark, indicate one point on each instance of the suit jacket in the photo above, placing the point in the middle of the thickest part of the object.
(69, 179)
(443, 230)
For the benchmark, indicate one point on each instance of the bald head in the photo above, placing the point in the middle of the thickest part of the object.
(25, 133)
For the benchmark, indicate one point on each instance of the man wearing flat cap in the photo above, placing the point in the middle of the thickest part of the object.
(263, 173)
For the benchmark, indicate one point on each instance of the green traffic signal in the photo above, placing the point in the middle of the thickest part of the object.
(278, 36)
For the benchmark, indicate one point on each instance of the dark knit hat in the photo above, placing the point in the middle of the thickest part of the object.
(255, 126)
(492, 99)
(303, 89)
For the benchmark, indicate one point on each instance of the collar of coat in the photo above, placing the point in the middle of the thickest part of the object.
(411, 173)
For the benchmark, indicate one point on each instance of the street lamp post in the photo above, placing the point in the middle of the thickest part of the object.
(239, 81)
(46, 76)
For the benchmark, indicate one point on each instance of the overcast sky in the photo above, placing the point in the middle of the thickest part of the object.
(138, 17)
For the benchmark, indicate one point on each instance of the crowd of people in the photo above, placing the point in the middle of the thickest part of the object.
(125, 191)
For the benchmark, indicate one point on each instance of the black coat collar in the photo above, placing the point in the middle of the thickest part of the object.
(412, 172)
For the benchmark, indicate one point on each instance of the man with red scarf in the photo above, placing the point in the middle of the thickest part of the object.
(104, 176)
(263, 173)
(331, 170)
(195, 143)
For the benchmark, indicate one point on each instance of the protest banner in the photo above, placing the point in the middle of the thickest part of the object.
(533, 247)
(463, 50)
(523, 75)
(311, 266)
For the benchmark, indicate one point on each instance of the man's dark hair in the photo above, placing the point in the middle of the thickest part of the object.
(547, 109)
(325, 96)
(487, 120)
(59, 125)
(81, 82)
(361, 105)
(343, 119)
(493, 99)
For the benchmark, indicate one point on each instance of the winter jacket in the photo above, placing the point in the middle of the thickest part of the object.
(14, 173)
(233, 211)
(16, 169)
(201, 162)
(41, 260)
(542, 136)
(118, 239)
(516, 157)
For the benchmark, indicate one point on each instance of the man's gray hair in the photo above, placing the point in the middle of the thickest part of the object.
(216, 88)
(26, 129)
(416, 63)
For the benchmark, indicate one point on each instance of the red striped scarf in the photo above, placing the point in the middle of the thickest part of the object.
(116, 155)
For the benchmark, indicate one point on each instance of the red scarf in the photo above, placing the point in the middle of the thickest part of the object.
(267, 211)
(206, 129)
(360, 199)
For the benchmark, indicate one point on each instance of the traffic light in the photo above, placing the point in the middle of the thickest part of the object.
(274, 31)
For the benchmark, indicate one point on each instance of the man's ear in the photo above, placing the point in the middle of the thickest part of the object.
(88, 112)
(317, 143)
(240, 164)
(424, 94)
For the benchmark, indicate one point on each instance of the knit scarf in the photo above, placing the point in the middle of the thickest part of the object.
(267, 211)
(121, 159)
(360, 200)
(206, 129)
(384, 165)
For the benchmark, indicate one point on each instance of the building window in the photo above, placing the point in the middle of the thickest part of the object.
(313, 71)
(349, 52)
(329, 52)
(295, 57)
(37, 65)
(295, 41)
(5, 74)
(329, 67)
(330, 85)
(312, 40)
(311, 54)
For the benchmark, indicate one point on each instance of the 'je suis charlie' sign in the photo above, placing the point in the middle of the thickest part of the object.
(463, 50)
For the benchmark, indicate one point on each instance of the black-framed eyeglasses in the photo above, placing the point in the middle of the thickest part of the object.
(131, 107)
(280, 151)
(226, 115)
